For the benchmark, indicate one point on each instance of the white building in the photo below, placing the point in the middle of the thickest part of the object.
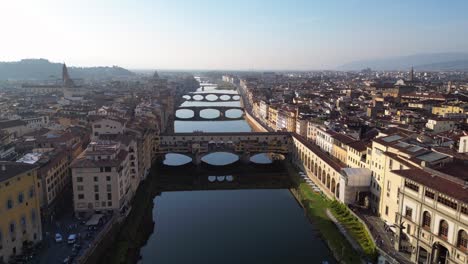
(101, 178)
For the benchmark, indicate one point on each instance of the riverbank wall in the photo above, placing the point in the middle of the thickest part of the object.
(256, 126)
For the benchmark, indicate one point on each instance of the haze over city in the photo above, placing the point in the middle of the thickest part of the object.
(208, 34)
(241, 131)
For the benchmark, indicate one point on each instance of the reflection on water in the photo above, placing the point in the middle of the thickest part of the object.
(236, 226)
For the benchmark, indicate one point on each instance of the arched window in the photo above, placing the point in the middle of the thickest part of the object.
(426, 220)
(443, 229)
(462, 240)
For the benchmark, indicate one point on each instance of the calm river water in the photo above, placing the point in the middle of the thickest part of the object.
(229, 226)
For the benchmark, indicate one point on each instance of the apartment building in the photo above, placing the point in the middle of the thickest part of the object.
(324, 139)
(20, 221)
(53, 177)
(101, 178)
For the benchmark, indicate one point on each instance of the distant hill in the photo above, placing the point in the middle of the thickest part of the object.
(429, 62)
(42, 69)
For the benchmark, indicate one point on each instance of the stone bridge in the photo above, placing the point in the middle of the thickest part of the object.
(243, 144)
(222, 113)
(220, 97)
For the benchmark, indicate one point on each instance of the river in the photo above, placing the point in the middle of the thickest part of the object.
(229, 226)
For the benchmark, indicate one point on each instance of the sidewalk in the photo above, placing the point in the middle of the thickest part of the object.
(384, 239)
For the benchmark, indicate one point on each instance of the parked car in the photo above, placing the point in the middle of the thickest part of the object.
(58, 238)
(71, 239)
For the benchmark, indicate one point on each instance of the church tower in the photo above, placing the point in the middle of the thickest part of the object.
(67, 81)
(411, 74)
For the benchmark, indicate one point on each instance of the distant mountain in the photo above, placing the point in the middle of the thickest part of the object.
(433, 61)
(42, 69)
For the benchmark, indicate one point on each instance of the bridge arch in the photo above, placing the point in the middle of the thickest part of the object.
(176, 159)
(221, 158)
(233, 113)
(211, 97)
(209, 113)
(197, 97)
(184, 113)
(225, 97)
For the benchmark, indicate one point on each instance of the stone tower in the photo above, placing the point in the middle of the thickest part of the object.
(411, 74)
(67, 81)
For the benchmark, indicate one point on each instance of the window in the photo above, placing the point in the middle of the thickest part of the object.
(462, 239)
(96, 179)
(408, 229)
(109, 188)
(412, 186)
(20, 198)
(464, 210)
(447, 202)
(9, 203)
(426, 221)
(109, 196)
(96, 188)
(107, 169)
(80, 196)
(429, 194)
(31, 192)
(108, 178)
(109, 203)
(12, 230)
(386, 210)
(79, 179)
(443, 229)
(96, 196)
(409, 212)
(23, 224)
(80, 187)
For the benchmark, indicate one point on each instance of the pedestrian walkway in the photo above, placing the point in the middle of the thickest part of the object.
(383, 237)
(343, 231)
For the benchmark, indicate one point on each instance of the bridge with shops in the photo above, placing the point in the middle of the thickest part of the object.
(212, 97)
(243, 144)
(221, 109)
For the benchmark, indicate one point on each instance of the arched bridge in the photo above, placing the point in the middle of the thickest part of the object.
(243, 144)
(212, 97)
(222, 113)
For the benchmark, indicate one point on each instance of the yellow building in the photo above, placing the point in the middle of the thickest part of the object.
(449, 109)
(340, 146)
(20, 221)
(272, 116)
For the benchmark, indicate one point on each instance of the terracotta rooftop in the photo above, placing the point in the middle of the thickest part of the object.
(445, 186)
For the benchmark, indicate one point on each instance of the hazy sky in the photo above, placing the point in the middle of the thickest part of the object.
(228, 34)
